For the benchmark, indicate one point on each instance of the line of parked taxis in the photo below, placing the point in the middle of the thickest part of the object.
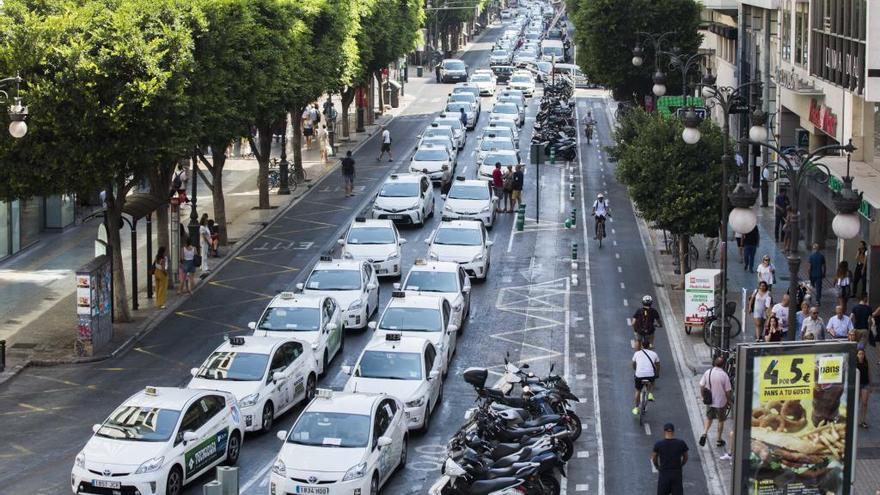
(348, 441)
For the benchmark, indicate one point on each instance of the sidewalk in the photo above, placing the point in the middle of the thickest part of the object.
(697, 356)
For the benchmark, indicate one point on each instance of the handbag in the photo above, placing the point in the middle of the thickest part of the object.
(707, 392)
(197, 259)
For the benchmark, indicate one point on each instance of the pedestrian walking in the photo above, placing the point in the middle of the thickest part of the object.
(813, 328)
(518, 181)
(750, 245)
(739, 245)
(188, 255)
(766, 272)
(204, 242)
(773, 333)
(759, 307)
(860, 276)
(817, 271)
(160, 275)
(712, 248)
(787, 230)
(386, 145)
(315, 115)
(842, 281)
(861, 320)
(715, 386)
(178, 185)
(669, 457)
(498, 181)
(864, 385)
(324, 142)
(508, 189)
(781, 209)
(780, 311)
(801, 315)
(839, 325)
(348, 174)
(214, 228)
(308, 129)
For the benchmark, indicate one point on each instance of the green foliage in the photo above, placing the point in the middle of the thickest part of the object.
(606, 34)
(674, 185)
(389, 30)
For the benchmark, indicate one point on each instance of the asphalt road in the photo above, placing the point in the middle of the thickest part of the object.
(530, 307)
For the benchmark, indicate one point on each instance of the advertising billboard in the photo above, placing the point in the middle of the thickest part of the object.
(795, 416)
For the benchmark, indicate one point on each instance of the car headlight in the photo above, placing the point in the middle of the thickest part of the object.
(80, 460)
(249, 400)
(347, 255)
(355, 305)
(355, 472)
(433, 255)
(485, 209)
(151, 465)
(478, 257)
(416, 402)
(279, 468)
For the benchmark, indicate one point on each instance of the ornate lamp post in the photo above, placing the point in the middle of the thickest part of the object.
(659, 78)
(17, 112)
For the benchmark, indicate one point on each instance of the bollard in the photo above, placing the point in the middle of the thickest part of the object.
(574, 279)
(521, 217)
(212, 488)
(2, 355)
(228, 478)
(552, 156)
(574, 216)
(571, 192)
(567, 223)
(574, 251)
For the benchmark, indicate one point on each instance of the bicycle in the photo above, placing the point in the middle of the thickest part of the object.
(600, 228)
(643, 400)
(588, 132)
(274, 176)
(712, 329)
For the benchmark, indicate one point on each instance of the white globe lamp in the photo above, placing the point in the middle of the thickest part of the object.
(742, 220)
(846, 225)
(17, 129)
(758, 133)
(690, 135)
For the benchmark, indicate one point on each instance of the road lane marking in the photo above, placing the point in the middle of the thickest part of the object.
(625, 302)
(583, 454)
(622, 286)
(647, 429)
(617, 255)
(619, 269)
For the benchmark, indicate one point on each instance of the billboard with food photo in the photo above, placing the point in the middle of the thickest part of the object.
(795, 411)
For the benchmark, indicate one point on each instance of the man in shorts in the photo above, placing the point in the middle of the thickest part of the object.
(646, 365)
(348, 174)
(386, 145)
(717, 382)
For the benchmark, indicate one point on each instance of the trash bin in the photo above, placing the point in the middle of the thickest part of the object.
(420, 71)
(392, 93)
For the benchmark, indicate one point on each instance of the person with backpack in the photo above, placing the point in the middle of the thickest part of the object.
(178, 185)
(518, 182)
(646, 367)
(507, 185)
(645, 322)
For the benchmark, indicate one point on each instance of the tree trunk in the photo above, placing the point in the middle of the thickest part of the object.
(114, 224)
(262, 152)
(347, 99)
(296, 139)
(160, 187)
(381, 92)
(684, 242)
(371, 100)
(216, 169)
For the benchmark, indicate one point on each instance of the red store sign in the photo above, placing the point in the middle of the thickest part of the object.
(823, 118)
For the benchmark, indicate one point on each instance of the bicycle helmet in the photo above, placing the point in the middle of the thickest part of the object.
(600, 195)
(647, 300)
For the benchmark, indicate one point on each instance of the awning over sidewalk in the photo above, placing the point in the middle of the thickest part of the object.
(139, 205)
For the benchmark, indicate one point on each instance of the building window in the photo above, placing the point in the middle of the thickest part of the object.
(786, 31)
(801, 32)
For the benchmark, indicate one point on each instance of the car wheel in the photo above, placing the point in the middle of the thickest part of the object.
(233, 449)
(374, 485)
(311, 387)
(174, 484)
(402, 463)
(268, 416)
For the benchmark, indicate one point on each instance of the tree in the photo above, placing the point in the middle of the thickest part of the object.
(105, 86)
(606, 32)
(674, 185)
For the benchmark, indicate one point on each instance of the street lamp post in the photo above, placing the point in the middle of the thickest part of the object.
(17, 112)
(284, 165)
(659, 78)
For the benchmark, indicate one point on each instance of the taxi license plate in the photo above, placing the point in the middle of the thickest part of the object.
(107, 484)
(380, 271)
(395, 217)
(310, 490)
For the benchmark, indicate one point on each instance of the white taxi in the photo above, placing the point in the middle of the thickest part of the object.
(267, 376)
(315, 319)
(493, 128)
(470, 199)
(442, 278)
(506, 111)
(486, 83)
(408, 368)
(426, 316)
(467, 97)
(342, 444)
(434, 161)
(405, 198)
(352, 284)
(458, 129)
(524, 82)
(491, 143)
(504, 157)
(375, 241)
(447, 129)
(464, 242)
(157, 441)
(470, 112)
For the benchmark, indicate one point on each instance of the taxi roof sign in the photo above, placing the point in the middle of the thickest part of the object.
(398, 293)
(393, 176)
(239, 340)
(459, 177)
(287, 294)
(326, 257)
(150, 390)
(421, 261)
(393, 336)
(324, 393)
(360, 219)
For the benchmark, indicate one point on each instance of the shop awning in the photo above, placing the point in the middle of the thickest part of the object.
(139, 205)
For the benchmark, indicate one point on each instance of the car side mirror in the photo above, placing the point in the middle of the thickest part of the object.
(300, 286)
(443, 197)
(371, 286)
(346, 370)
(96, 427)
(282, 435)
(433, 375)
(371, 325)
(428, 241)
(341, 242)
(383, 442)
(396, 285)
(494, 199)
(452, 328)
(401, 241)
(489, 243)
(194, 371)
(466, 289)
(252, 325)
(189, 436)
(278, 377)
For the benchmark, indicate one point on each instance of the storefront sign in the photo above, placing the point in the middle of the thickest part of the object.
(788, 79)
(795, 418)
(837, 48)
(823, 118)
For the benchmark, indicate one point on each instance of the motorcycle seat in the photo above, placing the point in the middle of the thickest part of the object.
(485, 487)
(513, 458)
(541, 421)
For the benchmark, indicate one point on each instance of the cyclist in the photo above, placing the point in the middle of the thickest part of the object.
(646, 366)
(589, 122)
(645, 320)
(601, 209)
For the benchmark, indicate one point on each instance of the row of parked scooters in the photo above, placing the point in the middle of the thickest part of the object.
(555, 126)
(516, 440)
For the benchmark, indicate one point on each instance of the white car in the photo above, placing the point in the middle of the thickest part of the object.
(466, 97)
(452, 69)
(467, 87)
(157, 441)
(499, 56)
(315, 319)
(524, 82)
(507, 111)
(514, 92)
(507, 124)
(436, 162)
(444, 278)
(267, 376)
(492, 144)
(351, 283)
(375, 241)
(493, 129)
(342, 444)
(405, 198)
(454, 108)
(470, 200)
(446, 129)
(464, 242)
(427, 316)
(486, 83)
(436, 140)
(408, 368)
(504, 157)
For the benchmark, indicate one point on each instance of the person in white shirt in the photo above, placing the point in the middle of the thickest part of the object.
(839, 325)
(601, 209)
(780, 311)
(716, 381)
(766, 272)
(646, 365)
(386, 145)
(204, 241)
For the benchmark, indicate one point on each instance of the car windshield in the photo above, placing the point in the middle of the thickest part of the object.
(498, 132)
(544, 66)
(371, 235)
(390, 365)
(454, 123)
(441, 141)
(500, 53)
(482, 78)
(431, 281)
(510, 99)
(552, 50)
(234, 366)
(506, 108)
(495, 144)
(438, 132)
(502, 158)
(330, 429)
(141, 424)
(469, 192)
(521, 78)
(411, 320)
(457, 106)
(455, 65)
(400, 189)
(281, 319)
(424, 155)
(335, 279)
(461, 96)
(458, 236)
